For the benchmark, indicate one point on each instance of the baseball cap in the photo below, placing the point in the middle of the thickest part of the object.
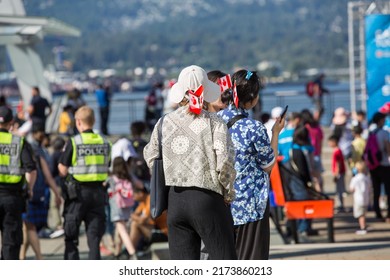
(276, 112)
(191, 78)
(5, 114)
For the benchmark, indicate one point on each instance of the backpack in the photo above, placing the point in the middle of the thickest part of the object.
(123, 193)
(372, 154)
(310, 88)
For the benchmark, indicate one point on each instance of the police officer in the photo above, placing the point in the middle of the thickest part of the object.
(85, 159)
(16, 167)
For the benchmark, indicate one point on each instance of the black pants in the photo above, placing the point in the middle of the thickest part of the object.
(11, 209)
(88, 207)
(253, 239)
(104, 112)
(195, 214)
(381, 175)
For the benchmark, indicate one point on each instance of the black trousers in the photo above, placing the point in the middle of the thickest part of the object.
(11, 209)
(88, 207)
(195, 214)
(253, 239)
(380, 175)
(104, 113)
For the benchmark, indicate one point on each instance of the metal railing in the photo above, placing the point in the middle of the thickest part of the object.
(126, 108)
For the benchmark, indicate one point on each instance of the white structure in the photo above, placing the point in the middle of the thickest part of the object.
(19, 33)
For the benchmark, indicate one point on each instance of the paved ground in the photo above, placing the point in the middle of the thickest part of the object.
(347, 246)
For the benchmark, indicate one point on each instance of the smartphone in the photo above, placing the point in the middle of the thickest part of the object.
(283, 113)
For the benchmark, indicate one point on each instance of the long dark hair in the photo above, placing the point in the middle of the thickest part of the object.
(248, 85)
(119, 169)
(308, 118)
(301, 136)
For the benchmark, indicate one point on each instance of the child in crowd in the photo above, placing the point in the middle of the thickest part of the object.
(121, 203)
(360, 186)
(358, 145)
(338, 170)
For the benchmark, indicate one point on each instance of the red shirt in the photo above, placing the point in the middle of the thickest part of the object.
(338, 160)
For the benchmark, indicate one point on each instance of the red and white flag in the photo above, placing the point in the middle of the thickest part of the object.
(196, 100)
(225, 82)
(235, 96)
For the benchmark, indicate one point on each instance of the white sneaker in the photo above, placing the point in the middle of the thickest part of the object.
(57, 233)
(361, 232)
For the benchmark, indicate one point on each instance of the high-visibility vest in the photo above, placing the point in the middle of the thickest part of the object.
(11, 171)
(90, 158)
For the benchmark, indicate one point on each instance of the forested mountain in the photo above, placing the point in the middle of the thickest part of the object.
(124, 34)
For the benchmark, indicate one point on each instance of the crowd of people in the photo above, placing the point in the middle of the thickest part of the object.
(217, 164)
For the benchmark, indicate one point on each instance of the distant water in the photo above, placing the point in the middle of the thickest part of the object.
(128, 107)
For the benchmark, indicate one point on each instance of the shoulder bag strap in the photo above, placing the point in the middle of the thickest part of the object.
(233, 120)
(159, 137)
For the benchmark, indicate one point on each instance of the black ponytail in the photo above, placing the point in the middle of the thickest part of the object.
(248, 85)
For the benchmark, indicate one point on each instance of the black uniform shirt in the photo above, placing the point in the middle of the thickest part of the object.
(66, 157)
(28, 164)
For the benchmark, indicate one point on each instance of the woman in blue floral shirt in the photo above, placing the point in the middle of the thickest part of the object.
(255, 157)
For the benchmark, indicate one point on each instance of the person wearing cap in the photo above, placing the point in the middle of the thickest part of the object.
(255, 157)
(198, 161)
(17, 166)
(85, 161)
(275, 113)
(380, 175)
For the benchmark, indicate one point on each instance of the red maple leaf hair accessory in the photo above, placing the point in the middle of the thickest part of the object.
(235, 95)
(196, 100)
(225, 82)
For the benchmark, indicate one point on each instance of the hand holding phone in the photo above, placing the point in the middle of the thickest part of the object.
(283, 113)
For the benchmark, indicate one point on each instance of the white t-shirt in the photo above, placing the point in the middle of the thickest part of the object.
(360, 186)
(123, 148)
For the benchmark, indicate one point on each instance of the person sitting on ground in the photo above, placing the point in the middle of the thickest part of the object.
(142, 224)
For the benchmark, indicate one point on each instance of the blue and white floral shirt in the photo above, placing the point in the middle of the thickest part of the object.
(253, 154)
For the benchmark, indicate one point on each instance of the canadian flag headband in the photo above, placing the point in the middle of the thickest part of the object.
(225, 83)
(196, 100)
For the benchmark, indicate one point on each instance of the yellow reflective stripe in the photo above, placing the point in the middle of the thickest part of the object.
(94, 160)
(74, 152)
(91, 177)
(4, 159)
(5, 138)
(91, 138)
(10, 165)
